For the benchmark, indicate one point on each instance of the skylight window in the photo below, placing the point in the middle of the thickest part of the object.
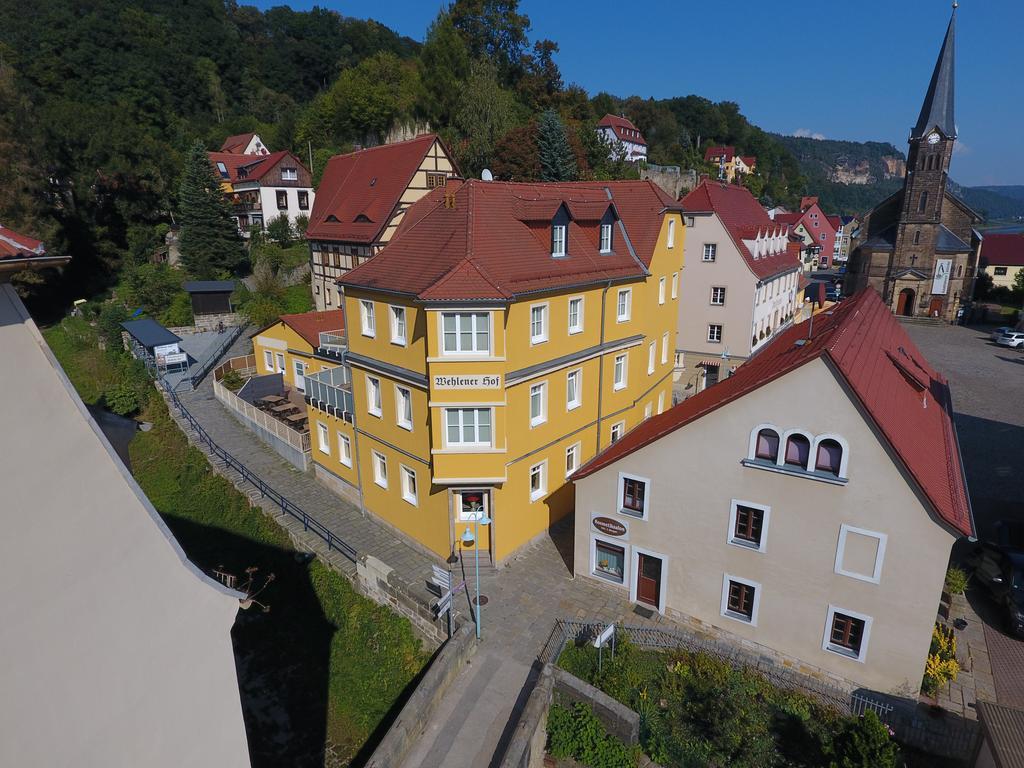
(223, 169)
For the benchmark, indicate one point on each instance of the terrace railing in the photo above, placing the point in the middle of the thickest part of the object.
(293, 437)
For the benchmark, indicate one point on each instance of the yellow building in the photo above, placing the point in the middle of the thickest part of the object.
(297, 346)
(506, 334)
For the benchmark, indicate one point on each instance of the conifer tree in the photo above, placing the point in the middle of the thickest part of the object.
(557, 161)
(209, 241)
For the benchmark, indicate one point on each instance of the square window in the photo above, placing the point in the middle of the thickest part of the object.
(380, 469)
(748, 525)
(609, 561)
(573, 389)
(367, 318)
(373, 402)
(634, 495)
(468, 427)
(538, 323)
(710, 251)
(398, 325)
(403, 407)
(345, 449)
(323, 441)
(715, 334)
(620, 372)
(624, 305)
(718, 296)
(409, 485)
(538, 404)
(572, 458)
(846, 633)
(538, 480)
(576, 315)
(740, 599)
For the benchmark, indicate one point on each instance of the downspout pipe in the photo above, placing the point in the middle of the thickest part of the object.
(600, 364)
(355, 425)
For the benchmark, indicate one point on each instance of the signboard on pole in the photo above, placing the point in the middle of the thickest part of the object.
(444, 603)
(606, 634)
(442, 578)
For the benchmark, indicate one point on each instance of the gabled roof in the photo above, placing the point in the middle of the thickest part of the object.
(237, 144)
(480, 240)
(1003, 727)
(359, 191)
(742, 216)
(1004, 250)
(713, 152)
(906, 399)
(309, 325)
(948, 242)
(17, 246)
(253, 166)
(620, 125)
(937, 110)
(749, 160)
(208, 286)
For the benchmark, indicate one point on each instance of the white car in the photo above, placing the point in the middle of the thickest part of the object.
(1014, 339)
(1001, 331)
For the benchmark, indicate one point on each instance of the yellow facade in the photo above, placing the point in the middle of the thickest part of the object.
(458, 393)
(279, 349)
(1002, 276)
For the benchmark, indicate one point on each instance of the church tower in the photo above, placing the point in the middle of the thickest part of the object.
(919, 247)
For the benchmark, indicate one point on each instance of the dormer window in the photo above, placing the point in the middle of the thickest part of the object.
(362, 217)
(558, 240)
(606, 238)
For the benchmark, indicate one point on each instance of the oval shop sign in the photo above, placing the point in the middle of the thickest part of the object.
(609, 527)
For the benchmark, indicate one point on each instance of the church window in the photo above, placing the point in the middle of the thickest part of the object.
(923, 204)
(917, 237)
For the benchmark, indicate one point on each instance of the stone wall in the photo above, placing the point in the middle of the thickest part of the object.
(669, 177)
(379, 582)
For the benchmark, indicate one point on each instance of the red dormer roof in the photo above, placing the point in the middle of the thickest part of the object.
(713, 153)
(243, 168)
(743, 217)
(1003, 250)
(309, 325)
(16, 246)
(623, 129)
(906, 399)
(359, 191)
(475, 240)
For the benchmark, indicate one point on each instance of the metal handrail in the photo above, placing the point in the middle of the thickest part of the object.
(308, 521)
(195, 378)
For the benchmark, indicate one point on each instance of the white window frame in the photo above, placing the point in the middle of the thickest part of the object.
(717, 303)
(618, 384)
(289, 174)
(473, 318)
(476, 428)
(710, 252)
(559, 238)
(539, 338)
(575, 451)
(541, 492)
(648, 411)
(720, 328)
(843, 462)
(652, 357)
(399, 327)
(675, 285)
(624, 581)
(344, 449)
(620, 488)
(578, 328)
(299, 372)
(268, 360)
(403, 394)
(572, 403)
(323, 438)
(826, 644)
(374, 407)
(410, 491)
(280, 368)
(752, 621)
(661, 402)
(606, 238)
(876, 573)
(664, 348)
(380, 469)
(541, 390)
(620, 315)
(731, 530)
(661, 290)
(367, 318)
(671, 233)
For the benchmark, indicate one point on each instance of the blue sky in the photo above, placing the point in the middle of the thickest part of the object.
(838, 69)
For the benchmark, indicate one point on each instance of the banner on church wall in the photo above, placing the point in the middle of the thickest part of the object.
(940, 282)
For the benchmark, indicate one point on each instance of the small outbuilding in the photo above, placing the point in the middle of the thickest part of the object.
(156, 346)
(210, 297)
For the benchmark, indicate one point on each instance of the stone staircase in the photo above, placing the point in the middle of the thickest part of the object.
(920, 320)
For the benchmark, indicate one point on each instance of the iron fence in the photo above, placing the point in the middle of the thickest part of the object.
(309, 523)
(211, 361)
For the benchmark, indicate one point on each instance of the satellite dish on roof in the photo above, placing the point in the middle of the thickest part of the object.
(486, 175)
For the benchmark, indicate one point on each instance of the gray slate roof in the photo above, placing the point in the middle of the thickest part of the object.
(937, 110)
(1004, 731)
(209, 286)
(947, 242)
(149, 333)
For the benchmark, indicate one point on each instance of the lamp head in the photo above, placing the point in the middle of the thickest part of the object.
(484, 519)
(467, 537)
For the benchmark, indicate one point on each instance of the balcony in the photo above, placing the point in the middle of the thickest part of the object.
(332, 345)
(330, 391)
(246, 205)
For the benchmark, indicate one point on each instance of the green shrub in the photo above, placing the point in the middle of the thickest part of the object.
(865, 742)
(956, 581)
(279, 229)
(575, 732)
(232, 380)
(179, 313)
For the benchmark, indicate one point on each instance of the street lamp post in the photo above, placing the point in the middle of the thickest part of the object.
(471, 538)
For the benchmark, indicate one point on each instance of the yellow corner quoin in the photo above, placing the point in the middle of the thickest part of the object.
(491, 354)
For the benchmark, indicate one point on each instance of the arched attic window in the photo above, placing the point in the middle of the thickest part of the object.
(829, 457)
(798, 450)
(766, 447)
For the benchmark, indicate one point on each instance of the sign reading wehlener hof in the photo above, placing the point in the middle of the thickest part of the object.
(469, 381)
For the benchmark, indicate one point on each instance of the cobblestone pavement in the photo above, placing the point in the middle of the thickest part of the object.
(987, 382)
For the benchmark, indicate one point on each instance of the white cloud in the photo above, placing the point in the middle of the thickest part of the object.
(959, 148)
(807, 133)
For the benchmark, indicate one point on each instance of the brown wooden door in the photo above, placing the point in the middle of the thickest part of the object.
(935, 308)
(648, 580)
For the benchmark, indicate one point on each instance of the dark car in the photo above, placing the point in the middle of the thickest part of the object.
(1000, 570)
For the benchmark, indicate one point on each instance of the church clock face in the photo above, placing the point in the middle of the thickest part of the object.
(933, 138)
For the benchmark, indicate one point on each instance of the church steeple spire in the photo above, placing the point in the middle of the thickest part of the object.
(937, 110)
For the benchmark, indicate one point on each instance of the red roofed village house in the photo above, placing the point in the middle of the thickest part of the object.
(624, 138)
(264, 185)
(1002, 257)
(739, 286)
(361, 201)
(245, 144)
(504, 335)
(817, 232)
(805, 506)
(729, 164)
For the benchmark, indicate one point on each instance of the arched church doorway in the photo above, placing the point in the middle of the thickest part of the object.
(905, 304)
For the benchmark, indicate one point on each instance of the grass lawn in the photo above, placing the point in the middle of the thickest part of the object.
(318, 664)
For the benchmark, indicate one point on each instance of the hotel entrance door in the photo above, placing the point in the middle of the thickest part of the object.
(470, 505)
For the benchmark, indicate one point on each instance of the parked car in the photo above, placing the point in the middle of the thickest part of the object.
(1001, 331)
(1013, 339)
(1000, 570)
(832, 293)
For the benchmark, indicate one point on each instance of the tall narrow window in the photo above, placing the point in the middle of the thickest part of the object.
(624, 305)
(664, 348)
(403, 407)
(373, 402)
(617, 431)
(538, 324)
(367, 318)
(322, 439)
(538, 404)
(606, 238)
(661, 290)
(409, 490)
(923, 204)
(652, 350)
(576, 315)
(675, 285)
(344, 450)
(380, 469)
(538, 480)
(573, 393)
(671, 233)
(572, 458)
(917, 237)
(710, 251)
(558, 240)
(398, 325)
(619, 377)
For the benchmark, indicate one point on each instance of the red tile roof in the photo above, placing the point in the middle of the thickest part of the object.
(715, 152)
(359, 191)
(256, 166)
(903, 395)
(807, 201)
(237, 144)
(743, 218)
(749, 160)
(620, 125)
(1003, 250)
(790, 219)
(15, 246)
(491, 240)
(309, 325)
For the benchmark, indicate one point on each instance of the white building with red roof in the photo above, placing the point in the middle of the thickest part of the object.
(728, 163)
(739, 287)
(804, 508)
(245, 144)
(624, 138)
(362, 198)
(263, 186)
